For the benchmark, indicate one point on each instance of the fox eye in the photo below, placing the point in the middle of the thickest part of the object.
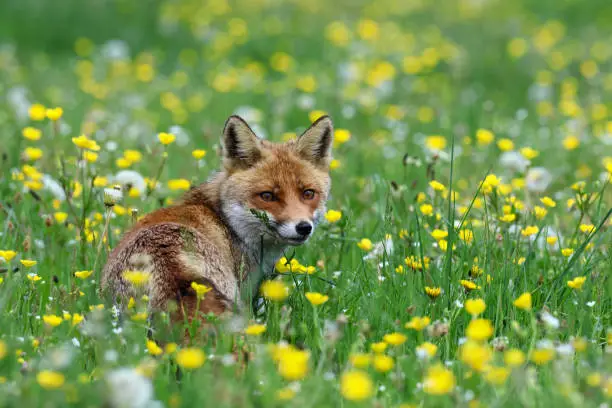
(267, 196)
(308, 194)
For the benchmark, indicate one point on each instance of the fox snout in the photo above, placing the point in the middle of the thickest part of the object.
(295, 232)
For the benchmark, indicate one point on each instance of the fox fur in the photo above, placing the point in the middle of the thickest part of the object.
(229, 232)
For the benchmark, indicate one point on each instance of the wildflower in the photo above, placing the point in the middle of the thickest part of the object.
(436, 185)
(360, 360)
(166, 138)
(190, 358)
(538, 179)
(341, 136)
(170, 348)
(136, 278)
(484, 137)
(84, 142)
(316, 298)
(479, 329)
(37, 112)
(529, 231)
(542, 356)
(579, 344)
(54, 114)
(549, 202)
(7, 255)
(418, 323)
(438, 380)
(382, 363)
(439, 234)
(508, 218)
(475, 306)
(529, 153)
(395, 339)
(379, 347)
(466, 236)
(593, 380)
(365, 244)
(333, 216)
(435, 143)
(524, 301)
(32, 153)
(475, 355)
(551, 240)
(334, 164)
(77, 319)
(153, 348)
(356, 385)
(200, 289)
(293, 364)
(514, 357)
(540, 212)
(469, 285)
(577, 282)
(2, 349)
(567, 252)
(426, 209)
(399, 269)
(32, 277)
(433, 292)
(275, 291)
(497, 375)
(505, 144)
(255, 329)
(426, 350)
(128, 387)
(28, 263)
(112, 196)
(83, 274)
(52, 320)
(179, 184)
(31, 133)
(285, 394)
(587, 228)
(571, 142)
(50, 380)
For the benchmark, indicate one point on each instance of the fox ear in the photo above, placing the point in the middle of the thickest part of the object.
(241, 147)
(315, 143)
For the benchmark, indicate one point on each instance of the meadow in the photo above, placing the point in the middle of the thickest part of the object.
(465, 257)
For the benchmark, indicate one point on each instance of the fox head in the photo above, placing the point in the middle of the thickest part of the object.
(275, 192)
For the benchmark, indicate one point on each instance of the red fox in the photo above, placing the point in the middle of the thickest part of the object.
(229, 232)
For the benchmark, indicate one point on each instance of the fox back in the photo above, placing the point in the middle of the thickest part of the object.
(229, 232)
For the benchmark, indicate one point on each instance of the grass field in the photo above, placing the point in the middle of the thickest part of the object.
(466, 257)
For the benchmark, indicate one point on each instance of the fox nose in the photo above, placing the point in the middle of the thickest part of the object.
(304, 228)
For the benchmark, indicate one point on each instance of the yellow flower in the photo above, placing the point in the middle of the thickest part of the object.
(123, 163)
(153, 348)
(466, 236)
(356, 385)
(52, 320)
(7, 255)
(190, 358)
(427, 349)
(166, 138)
(379, 347)
(580, 344)
(316, 298)
(360, 360)
(28, 263)
(469, 285)
(198, 154)
(201, 290)
(433, 292)
(77, 318)
(334, 164)
(382, 363)
(571, 142)
(438, 380)
(435, 142)
(508, 218)
(31, 133)
(255, 329)
(436, 185)
(529, 230)
(333, 216)
(484, 137)
(505, 145)
(54, 113)
(136, 278)
(32, 277)
(577, 282)
(170, 348)
(315, 114)
(285, 394)
(542, 356)
(524, 301)
(32, 153)
(587, 228)
(418, 323)
(275, 291)
(37, 112)
(2, 349)
(479, 329)
(338, 33)
(133, 156)
(540, 212)
(365, 244)
(100, 181)
(497, 375)
(341, 136)
(83, 274)
(567, 252)
(83, 142)
(549, 202)
(475, 306)
(367, 29)
(50, 380)
(529, 153)
(293, 364)
(426, 209)
(514, 358)
(395, 339)
(475, 355)
(179, 184)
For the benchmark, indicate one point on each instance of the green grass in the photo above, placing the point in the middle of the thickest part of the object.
(204, 65)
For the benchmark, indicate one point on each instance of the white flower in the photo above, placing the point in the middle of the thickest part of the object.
(182, 138)
(379, 249)
(112, 196)
(550, 320)
(54, 187)
(115, 50)
(131, 178)
(129, 389)
(514, 161)
(249, 114)
(59, 358)
(538, 179)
